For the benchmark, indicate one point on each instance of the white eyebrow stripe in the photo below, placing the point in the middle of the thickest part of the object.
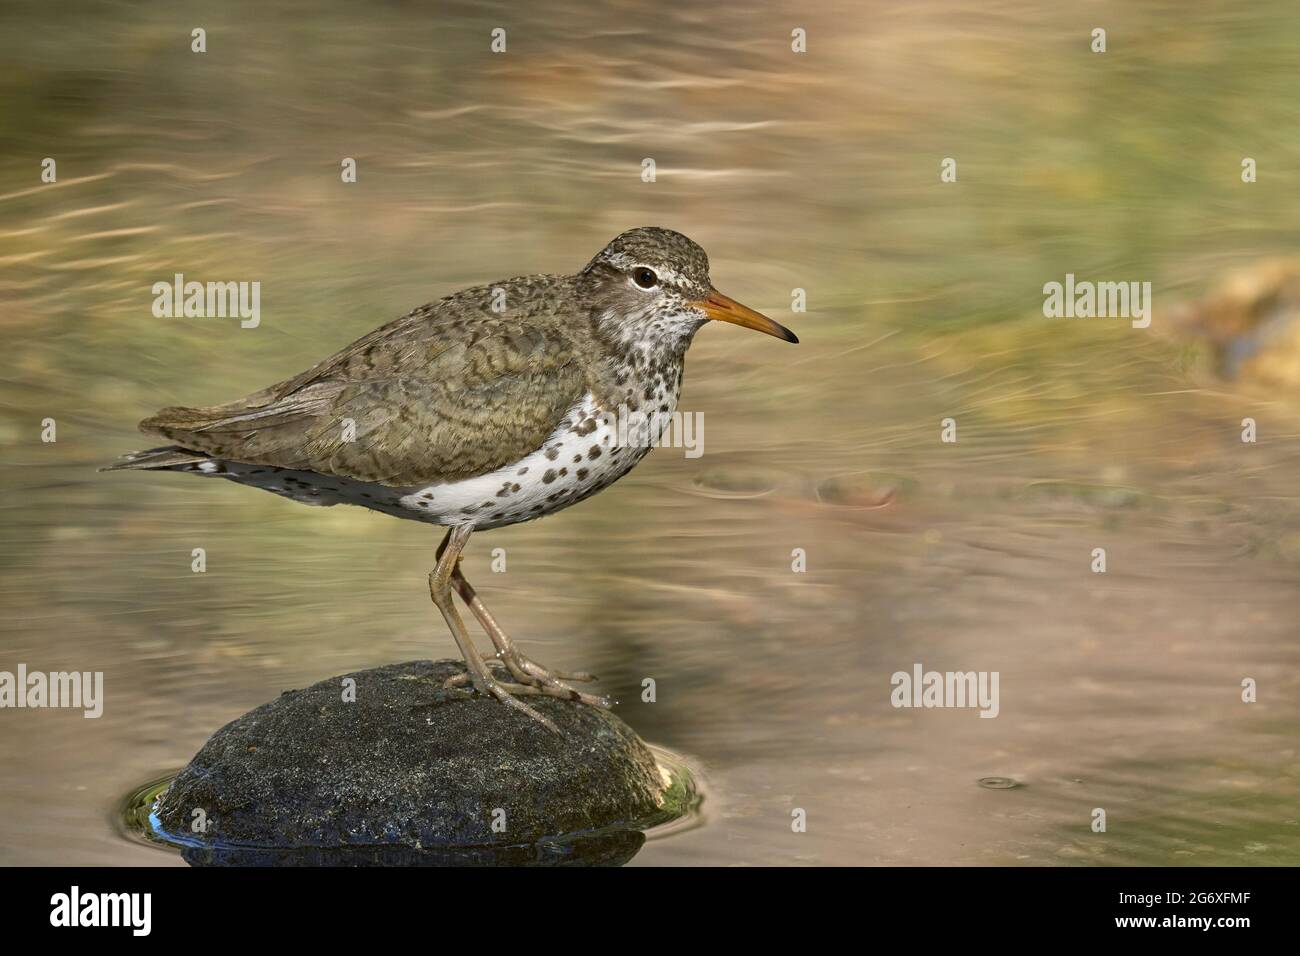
(627, 263)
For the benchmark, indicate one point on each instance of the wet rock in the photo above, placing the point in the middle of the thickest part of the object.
(412, 772)
(1103, 497)
(735, 481)
(865, 490)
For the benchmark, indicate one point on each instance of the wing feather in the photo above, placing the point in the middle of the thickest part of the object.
(430, 397)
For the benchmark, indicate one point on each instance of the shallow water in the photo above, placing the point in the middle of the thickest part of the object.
(1118, 690)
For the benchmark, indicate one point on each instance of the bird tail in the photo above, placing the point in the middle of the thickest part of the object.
(156, 459)
(183, 419)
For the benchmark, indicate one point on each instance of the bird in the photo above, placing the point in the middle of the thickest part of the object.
(493, 406)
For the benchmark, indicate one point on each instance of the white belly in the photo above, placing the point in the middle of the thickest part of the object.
(590, 451)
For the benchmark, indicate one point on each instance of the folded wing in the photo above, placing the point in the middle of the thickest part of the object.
(417, 401)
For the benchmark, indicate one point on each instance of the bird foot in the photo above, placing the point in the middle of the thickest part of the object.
(536, 670)
(529, 681)
(532, 674)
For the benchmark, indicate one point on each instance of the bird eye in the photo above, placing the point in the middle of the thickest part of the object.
(645, 278)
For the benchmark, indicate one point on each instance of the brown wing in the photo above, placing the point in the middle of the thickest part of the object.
(441, 394)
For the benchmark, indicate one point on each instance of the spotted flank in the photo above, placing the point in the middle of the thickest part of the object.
(582, 456)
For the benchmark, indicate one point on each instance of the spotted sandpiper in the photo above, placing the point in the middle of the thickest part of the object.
(493, 406)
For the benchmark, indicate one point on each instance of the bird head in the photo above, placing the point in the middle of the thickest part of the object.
(652, 285)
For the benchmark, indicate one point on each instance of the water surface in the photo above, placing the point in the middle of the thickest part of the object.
(819, 172)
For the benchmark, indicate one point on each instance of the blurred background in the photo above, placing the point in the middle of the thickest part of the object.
(817, 171)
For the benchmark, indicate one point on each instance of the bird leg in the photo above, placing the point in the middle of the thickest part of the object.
(521, 668)
(531, 677)
(524, 670)
(440, 591)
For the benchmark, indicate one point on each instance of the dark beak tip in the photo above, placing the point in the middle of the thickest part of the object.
(790, 336)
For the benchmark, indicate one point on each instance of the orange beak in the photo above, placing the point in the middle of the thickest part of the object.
(726, 309)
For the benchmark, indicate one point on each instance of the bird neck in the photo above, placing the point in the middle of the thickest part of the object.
(641, 377)
(654, 337)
